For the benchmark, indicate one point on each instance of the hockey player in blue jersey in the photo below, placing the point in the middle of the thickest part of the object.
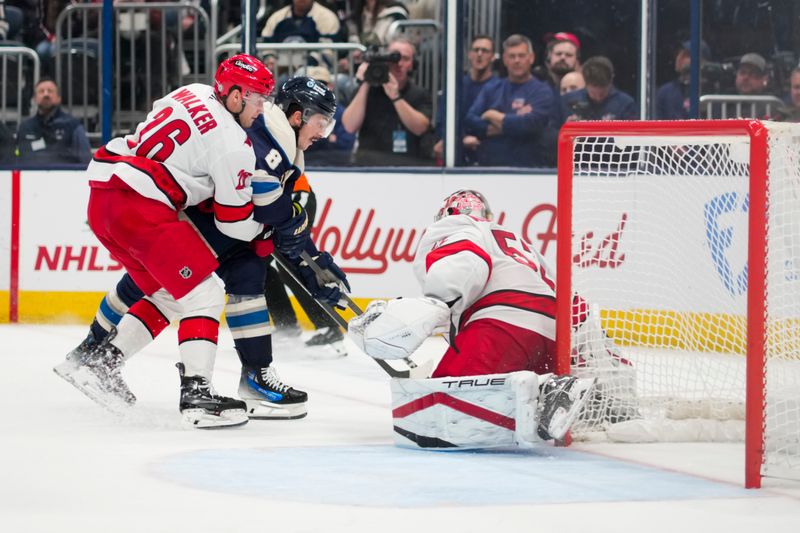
(301, 114)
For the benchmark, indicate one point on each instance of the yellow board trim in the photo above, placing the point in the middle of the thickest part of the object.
(5, 297)
(695, 332)
(80, 307)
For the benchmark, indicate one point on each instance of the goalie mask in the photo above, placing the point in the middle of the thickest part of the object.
(465, 202)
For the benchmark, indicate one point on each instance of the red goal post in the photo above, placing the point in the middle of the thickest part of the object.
(651, 218)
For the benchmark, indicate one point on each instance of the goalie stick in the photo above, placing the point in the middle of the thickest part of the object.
(391, 371)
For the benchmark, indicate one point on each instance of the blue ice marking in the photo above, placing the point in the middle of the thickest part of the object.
(386, 476)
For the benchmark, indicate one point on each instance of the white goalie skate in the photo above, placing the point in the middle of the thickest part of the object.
(561, 399)
(596, 355)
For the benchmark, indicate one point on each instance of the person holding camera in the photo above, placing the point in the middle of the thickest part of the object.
(599, 100)
(388, 111)
(506, 122)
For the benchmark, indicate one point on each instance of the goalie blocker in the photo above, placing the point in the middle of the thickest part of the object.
(497, 410)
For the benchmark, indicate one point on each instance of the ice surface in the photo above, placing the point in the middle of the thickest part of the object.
(69, 466)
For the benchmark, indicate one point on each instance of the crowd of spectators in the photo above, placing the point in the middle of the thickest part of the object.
(510, 106)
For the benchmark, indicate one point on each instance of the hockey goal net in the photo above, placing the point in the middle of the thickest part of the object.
(679, 283)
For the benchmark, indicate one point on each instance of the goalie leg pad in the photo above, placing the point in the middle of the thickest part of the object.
(491, 411)
(395, 329)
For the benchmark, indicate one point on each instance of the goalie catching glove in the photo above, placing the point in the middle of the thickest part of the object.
(328, 286)
(395, 329)
(292, 235)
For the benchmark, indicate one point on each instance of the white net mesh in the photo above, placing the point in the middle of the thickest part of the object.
(782, 433)
(660, 240)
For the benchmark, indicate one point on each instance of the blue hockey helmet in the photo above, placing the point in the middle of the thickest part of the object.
(311, 96)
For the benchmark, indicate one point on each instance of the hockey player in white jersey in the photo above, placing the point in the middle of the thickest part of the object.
(494, 296)
(191, 147)
(302, 113)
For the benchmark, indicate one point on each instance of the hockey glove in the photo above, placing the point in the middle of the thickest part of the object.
(329, 286)
(263, 245)
(292, 235)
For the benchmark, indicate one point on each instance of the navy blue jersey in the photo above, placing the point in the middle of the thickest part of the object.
(279, 164)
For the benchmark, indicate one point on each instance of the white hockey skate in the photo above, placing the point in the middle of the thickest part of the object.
(96, 370)
(203, 408)
(268, 398)
(561, 398)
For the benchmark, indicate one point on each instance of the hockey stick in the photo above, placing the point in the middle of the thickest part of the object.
(339, 319)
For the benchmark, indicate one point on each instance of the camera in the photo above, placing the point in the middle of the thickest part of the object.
(377, 72)
(719, 78)
(581, 109)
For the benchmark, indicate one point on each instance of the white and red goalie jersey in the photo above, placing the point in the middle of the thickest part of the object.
(483, 270)
(187, 150)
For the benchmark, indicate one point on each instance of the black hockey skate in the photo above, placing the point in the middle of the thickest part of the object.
(203, 408)
(95, 369)
(268, 398)
(325, 336)
(331, 337)
(561, 398)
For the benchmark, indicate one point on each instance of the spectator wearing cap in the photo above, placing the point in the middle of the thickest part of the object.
(52, 135)
(337, 148)
(672, 98)
(600, 100)
(510, 114)
(563, 55)
(751, 76)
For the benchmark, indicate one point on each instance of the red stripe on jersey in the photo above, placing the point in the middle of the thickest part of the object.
(161, 176)
(230, 213)
(198, 328)
(149, 315)
(452, 402)
(454, 248)
(535, 303)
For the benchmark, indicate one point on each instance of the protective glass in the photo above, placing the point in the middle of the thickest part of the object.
(318, 122)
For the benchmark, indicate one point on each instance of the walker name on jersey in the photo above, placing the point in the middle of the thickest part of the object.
(201, 117)
(75, 259)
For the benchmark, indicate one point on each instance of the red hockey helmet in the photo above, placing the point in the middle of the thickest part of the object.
(245, 72)
(465, 202)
